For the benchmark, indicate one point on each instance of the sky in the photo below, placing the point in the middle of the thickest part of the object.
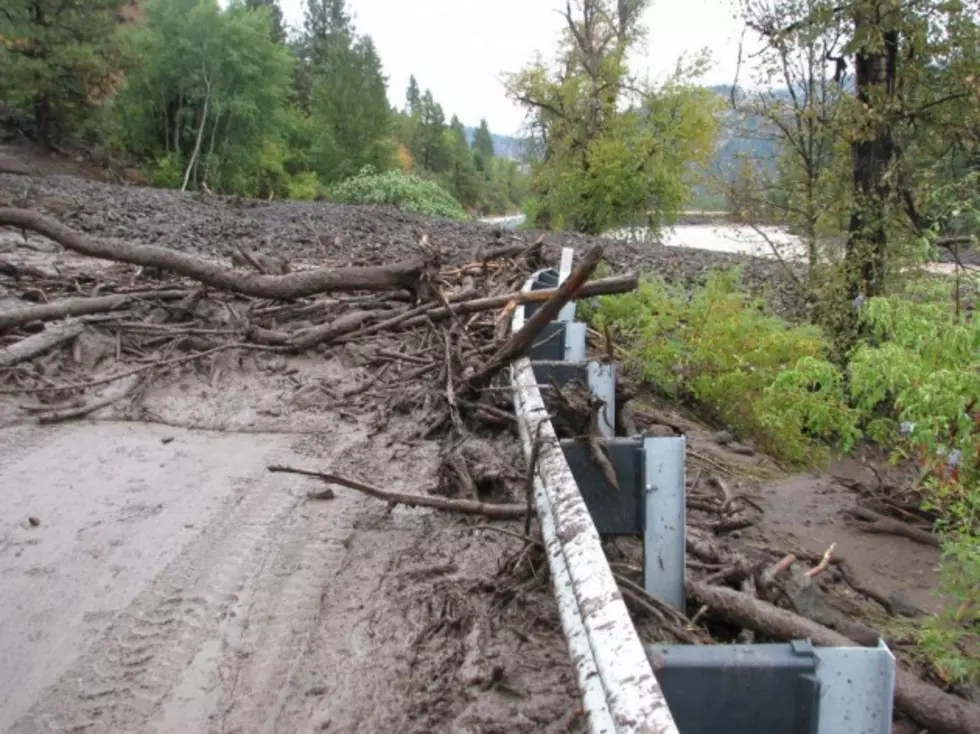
(461, 48)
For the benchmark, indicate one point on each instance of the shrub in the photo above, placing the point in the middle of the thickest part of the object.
(764, 378)
(406, 191)
(913, 385)
(304, 186)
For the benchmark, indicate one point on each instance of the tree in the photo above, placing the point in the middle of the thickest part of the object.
(429, 144)
(904, 107)
(59, 59)
(483, 145)
(413, 98)
(207, 103)
(350, 112)
(613, 147)
(277, 29)
(462, 177)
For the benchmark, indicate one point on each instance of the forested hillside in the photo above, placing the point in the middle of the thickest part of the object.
(197, 96)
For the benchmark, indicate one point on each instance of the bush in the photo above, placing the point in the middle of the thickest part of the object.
(304, 186)
(720, 350)
(405, 191)
(912, 385)
(168, 171)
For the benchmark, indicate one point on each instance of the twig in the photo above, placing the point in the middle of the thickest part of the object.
(824, 562)
(463, 507)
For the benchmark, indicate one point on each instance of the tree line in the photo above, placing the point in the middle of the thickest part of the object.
(230, 99)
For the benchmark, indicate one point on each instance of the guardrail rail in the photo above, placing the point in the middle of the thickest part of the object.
(790, 688)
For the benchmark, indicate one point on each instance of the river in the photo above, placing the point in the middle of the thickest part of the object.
(733, 238)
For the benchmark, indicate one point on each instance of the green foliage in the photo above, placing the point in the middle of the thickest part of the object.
(305, 186)
(58, 61)
(482, 146)
(406, 191)
(612, 148)
(213, 82)
(203, 93)
(918, 368)
(719, 350)
(482, 182)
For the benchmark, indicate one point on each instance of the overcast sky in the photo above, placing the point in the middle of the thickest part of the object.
(460, 48)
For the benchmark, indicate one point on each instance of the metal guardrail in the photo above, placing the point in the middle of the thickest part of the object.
(621, 694)
(702, 689)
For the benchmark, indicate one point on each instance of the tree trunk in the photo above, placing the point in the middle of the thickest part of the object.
(200, 134)
(872, 154)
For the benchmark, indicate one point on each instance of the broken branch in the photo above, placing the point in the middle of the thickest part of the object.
(464, 507)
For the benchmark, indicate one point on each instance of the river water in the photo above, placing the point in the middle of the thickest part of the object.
(733, 238)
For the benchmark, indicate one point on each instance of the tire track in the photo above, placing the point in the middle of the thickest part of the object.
(119, 682)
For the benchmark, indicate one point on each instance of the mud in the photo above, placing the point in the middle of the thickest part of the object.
(171, 584)
(322, 233)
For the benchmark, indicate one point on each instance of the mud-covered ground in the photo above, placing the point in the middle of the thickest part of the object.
(326, 233)
(158, 579)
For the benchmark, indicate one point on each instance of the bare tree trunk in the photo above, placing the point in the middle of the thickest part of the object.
(200, 133)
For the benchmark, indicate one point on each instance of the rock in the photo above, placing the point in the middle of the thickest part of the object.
(723, 438)
(902, 605)
(738, 448)
(658, 430)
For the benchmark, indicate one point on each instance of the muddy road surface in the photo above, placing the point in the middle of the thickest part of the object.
(159, 579)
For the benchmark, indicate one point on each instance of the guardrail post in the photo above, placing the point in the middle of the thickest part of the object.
(664, 533)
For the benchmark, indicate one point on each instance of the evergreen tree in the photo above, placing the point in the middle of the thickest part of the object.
(327, 23)
(429, 146)
(413, 98)
(462, 177)
(277, 28)
(350, 110)
(58, 61)
(483, 145)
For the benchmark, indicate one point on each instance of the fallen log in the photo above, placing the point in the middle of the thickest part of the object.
(928, 706)
(519, 343)
(80, 411)
(79, 307)
(464, 507)
(277, 287)
(39, 343)
(603, 287)
(870, 521)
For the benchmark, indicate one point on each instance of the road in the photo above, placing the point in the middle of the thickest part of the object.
(168, 583)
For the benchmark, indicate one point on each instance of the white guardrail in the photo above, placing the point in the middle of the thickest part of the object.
(620, 692)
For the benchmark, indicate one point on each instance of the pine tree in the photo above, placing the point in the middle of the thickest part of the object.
(349, 106)
(462, 177)
(483, 146)
(429, 145)
(58, 61)
(326, 23)
(413, 98)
